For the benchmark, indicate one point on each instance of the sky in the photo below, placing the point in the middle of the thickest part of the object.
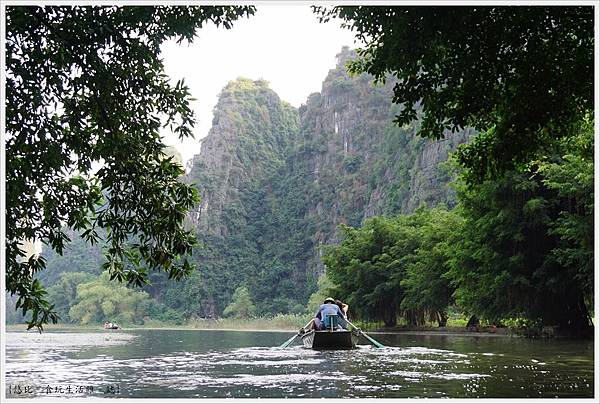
(282, 44)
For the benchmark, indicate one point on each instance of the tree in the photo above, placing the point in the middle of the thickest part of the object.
(64, 293)
(241, 305)
(362, 265)
(396, 266)
(571, 175)
(192, 297)
(85, 86)
(427, 287)
(527, 242)
(325, 290)
(521, 76)
(99, 300)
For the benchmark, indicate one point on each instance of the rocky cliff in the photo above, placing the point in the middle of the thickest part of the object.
(361, 164)
(248, 234)
(276, 181)
(251, 130)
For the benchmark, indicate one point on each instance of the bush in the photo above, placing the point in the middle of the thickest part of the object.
(523, 326)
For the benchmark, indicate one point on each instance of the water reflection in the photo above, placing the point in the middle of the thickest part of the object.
(167, 363)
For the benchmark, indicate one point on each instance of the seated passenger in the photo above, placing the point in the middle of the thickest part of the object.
(329, 311)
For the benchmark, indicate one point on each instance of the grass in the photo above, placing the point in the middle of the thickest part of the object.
(59, 326)
(454, 324)
(288, 322)
(291, 322)
(279, 322)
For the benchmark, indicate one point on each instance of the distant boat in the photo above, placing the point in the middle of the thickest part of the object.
(110, 326)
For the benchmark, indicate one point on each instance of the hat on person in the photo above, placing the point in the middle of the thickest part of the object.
(329, 299)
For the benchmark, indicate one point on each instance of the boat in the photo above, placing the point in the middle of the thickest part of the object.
(330, 339)
(334, 337)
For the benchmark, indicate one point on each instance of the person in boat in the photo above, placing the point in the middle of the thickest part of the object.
(343, 307)
(473, 324)
(329, 311)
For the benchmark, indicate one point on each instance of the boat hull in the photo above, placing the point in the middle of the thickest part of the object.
(339, 339)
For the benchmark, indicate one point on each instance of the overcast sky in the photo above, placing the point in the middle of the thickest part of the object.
(283, 44)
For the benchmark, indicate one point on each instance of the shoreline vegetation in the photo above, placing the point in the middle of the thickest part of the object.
(291, 323)
(271, 325)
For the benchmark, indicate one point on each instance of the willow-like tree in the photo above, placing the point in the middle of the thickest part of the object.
(527, 244)
(521, 76)
(86, 85)
(396, 266)
(99, 300)
(241, 305)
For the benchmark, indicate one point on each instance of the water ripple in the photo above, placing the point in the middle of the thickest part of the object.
(145, 368)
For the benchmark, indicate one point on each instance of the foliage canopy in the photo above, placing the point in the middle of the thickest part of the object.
(393, 266)
(527, 245)
(241, 305)
(99, 300)
(520, 75)
(85, 86)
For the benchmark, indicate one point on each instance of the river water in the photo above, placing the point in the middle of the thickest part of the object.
(194, 363)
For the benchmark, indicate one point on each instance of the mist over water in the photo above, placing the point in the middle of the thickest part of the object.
(193, 364)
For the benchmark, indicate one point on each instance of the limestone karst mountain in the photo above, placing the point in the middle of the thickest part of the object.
(276, 181)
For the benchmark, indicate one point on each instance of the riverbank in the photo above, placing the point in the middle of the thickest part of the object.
(279, 322)
(446, 331)
(153, 326)
(219, 326)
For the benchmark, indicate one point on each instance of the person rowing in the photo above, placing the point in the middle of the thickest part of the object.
(329, 311)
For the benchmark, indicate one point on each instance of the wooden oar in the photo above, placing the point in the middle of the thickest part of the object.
(289, 341)
(372, 340)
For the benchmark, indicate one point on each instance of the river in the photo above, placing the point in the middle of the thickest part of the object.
(244, 364)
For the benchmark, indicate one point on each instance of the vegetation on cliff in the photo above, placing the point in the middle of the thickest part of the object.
(520, 246)
(524, 246)
(336, 198)
(512, 73)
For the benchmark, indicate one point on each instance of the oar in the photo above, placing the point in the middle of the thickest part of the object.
(377, 344)
(289, 341)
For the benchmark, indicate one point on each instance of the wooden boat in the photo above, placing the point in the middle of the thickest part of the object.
(336, 339)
